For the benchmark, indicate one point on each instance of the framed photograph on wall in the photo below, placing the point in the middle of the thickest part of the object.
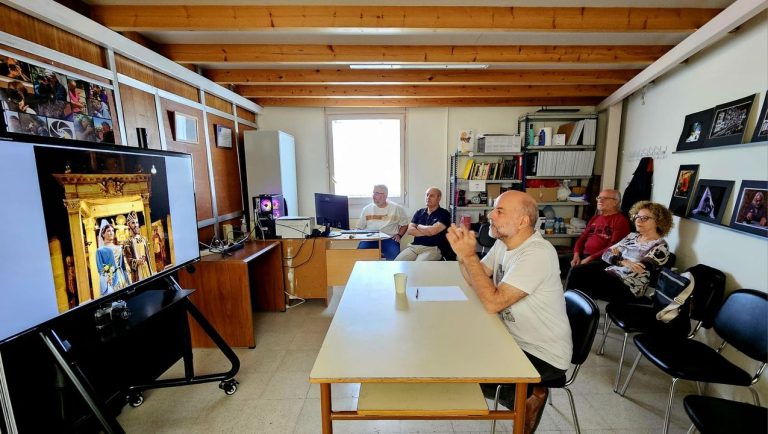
(761, 128)
(695, 129)
(729, 122)
(223, 137)
(185, 128)
(710, 200)
(683, 189)
(749, 214)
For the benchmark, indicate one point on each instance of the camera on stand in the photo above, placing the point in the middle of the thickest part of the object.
(116, 311)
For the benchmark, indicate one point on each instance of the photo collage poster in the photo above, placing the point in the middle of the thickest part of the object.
(42, 102)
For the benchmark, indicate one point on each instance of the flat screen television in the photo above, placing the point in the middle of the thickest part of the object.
(332, 209)
(84, 222)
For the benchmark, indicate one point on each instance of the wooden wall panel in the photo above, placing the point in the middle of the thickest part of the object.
(246, 114)
(205, 234)
(139, 111)
(218, 103)
(134, 70)
(226, 171)
(39, 32)
(199, 156)
(154, 78)
(177, 87)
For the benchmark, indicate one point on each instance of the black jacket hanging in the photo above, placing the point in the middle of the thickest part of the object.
(640, 186)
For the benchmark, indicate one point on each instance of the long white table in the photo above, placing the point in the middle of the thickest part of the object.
(377, 336)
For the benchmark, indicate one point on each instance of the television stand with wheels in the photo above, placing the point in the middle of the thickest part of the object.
(143, 306)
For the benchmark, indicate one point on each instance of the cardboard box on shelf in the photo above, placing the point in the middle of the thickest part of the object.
(542, 194)
(494, 190)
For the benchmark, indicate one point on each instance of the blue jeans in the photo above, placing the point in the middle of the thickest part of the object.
(389, 247)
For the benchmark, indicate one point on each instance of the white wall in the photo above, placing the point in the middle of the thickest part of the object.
(731, 69)
(431, 135)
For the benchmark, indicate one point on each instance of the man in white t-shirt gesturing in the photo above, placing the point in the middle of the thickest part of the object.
(519, 280)
(386, 217)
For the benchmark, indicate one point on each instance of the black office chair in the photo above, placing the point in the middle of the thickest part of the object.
(721, 416)
(584, 317)
(742, 322)
(701, 306)
(484, 239)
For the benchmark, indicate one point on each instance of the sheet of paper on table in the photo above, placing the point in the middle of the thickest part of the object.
(439, 293)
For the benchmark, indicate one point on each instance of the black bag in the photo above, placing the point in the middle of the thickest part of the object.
(672, 291)
(710, 289)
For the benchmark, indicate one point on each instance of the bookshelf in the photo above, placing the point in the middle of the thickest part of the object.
(475, 176)
(480, 175)
(570, 157)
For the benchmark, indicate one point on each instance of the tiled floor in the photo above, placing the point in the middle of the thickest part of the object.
(275, 396)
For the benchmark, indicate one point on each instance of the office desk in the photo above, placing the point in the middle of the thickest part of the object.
(229, 288)
(378, 337)
(312, 266)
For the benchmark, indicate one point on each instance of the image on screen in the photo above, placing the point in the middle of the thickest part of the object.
(87, 223)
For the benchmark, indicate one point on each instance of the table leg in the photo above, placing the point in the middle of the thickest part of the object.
(325, 408)
(521, 394)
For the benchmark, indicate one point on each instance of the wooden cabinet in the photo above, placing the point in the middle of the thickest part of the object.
(304, 268)
(229, 289)
(342, 256)
(313, 266)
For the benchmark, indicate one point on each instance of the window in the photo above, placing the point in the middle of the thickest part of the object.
(367, 149)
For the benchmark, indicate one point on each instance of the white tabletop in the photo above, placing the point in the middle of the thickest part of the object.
(378, 336)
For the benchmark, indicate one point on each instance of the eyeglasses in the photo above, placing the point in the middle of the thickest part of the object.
(606, 198)
(643, 218)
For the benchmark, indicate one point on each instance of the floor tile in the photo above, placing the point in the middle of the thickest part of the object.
(275, 396)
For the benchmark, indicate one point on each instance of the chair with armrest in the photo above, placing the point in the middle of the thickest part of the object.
(484, 239)
(701, 306)
(742, 322)
(722, 416)
(584, 317)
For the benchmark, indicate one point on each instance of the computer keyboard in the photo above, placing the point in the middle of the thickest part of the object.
(358, 231)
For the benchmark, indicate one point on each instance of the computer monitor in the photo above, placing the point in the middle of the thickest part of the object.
(332, 210)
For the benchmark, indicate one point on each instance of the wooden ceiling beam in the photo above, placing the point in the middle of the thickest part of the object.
(427, 102)
(420, 76)
(334, 54)
(447, 91)
(472, 18)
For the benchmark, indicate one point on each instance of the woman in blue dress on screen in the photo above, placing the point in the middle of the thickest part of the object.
(110, 261)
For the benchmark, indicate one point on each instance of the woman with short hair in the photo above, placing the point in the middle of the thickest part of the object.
(628, 266)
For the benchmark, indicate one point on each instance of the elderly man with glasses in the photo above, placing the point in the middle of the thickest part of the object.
(605, 229)
(386, 217)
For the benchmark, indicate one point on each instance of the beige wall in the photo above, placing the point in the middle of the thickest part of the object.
(431, 136)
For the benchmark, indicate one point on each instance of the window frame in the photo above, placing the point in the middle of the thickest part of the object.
(358, 114)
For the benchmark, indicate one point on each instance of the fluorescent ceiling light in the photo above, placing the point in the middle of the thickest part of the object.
(418, 66)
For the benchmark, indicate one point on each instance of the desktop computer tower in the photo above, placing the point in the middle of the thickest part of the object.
(267, 208)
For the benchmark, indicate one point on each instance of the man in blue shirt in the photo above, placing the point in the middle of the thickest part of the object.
(428, 228)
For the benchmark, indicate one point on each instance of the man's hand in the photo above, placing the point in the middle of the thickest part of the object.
(586, 260)
(576, 260)
(462, 241)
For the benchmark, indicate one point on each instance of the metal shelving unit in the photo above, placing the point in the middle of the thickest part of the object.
(525, 123)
